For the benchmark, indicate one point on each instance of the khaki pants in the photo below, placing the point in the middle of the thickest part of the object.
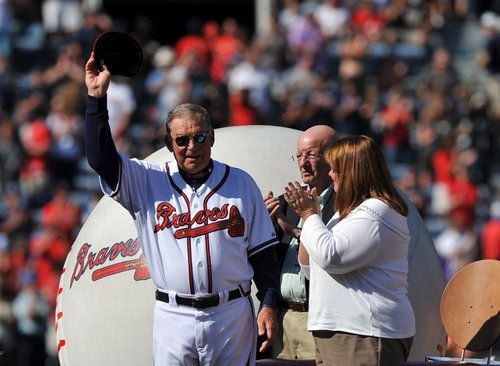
(339, 348)
(293, 341)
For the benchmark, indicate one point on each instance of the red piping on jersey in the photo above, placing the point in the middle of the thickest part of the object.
(207, 241)
(188, 241)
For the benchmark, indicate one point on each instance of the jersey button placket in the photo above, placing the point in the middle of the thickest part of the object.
(201, 286)
(198, 248)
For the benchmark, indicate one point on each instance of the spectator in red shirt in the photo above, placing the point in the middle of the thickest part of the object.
(193, 41)
(490, 236)
(366, 18)
(396, 117)
(241, 112)
(35, 175)
(60, 213)
(226, 47)
(463, 195)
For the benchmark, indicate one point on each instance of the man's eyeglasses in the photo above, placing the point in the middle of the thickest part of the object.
(311, 157)
(199, 138)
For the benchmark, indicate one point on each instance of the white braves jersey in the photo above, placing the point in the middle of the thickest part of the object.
(195, 241)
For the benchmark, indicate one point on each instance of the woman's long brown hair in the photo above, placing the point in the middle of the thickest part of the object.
(362, 173)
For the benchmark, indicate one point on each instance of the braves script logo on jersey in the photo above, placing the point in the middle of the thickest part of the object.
(88, 260)
(210, 220)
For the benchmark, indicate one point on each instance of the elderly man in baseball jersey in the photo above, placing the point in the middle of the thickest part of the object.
(204, 230)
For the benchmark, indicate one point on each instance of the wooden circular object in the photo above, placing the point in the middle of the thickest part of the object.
(470, 305)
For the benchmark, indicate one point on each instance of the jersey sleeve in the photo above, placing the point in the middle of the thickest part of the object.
(262, 233)
(133, 190)
(266, 276)
(99, 146)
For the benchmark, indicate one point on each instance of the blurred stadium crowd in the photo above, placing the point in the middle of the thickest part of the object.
(420, 76)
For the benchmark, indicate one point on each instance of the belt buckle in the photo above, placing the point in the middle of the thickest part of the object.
(205, 302)
(298, 305)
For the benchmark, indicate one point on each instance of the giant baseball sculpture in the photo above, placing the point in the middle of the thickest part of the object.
(104, 306)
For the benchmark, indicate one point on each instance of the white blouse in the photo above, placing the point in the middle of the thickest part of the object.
(358, 272)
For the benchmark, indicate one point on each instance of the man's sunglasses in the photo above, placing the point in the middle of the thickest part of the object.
(199, 138)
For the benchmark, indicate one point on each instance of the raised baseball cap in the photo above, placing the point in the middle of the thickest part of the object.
(120, 52)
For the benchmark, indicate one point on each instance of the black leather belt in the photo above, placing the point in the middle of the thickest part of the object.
(199, 302)
(295, 305)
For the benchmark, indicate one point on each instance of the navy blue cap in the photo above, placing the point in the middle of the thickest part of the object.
(120, 52)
